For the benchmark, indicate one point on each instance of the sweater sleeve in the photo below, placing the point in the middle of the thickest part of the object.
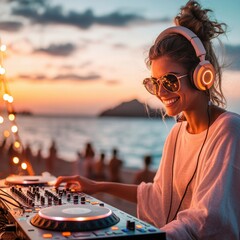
(214, 212)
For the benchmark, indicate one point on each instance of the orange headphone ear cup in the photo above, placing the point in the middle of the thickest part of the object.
(191, 79)
(203, 75)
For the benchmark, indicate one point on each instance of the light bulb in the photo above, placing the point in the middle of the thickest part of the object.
(2, 71)
(11, 116)
(3, 48)
(6, 133)
(17, 144)
(15, 160)
(24, 165)
(10, 99)
(5, 96)
(14, 128)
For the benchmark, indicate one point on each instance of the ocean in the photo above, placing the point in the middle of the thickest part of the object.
(133, 137)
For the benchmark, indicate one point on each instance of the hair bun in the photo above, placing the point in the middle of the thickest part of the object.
(194, 17)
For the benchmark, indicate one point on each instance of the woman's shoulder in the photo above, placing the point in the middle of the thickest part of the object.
(175, 130)
(228, 124)
(229, 118)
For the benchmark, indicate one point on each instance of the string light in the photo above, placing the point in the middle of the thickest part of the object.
(17, 144)
(3, 48)
(14, 128)
(10, 99)
(11, 117)
(24, 166)
(15, 160)
(6, 134)
(5, 97)
(2, 71)
(14, 131)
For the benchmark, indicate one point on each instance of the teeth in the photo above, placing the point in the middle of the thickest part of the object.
(170, 101)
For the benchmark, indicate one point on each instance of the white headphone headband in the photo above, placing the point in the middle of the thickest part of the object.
(191, 36)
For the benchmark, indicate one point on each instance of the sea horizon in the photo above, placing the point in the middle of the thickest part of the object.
(134, 137)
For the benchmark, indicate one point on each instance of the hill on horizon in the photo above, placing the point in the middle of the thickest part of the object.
(133, 108)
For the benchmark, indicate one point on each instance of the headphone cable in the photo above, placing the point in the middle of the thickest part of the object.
(185, 192)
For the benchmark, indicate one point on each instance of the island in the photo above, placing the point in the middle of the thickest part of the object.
(132, 108)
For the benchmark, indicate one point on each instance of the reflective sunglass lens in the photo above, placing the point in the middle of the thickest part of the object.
(170, 82)
(151, 86)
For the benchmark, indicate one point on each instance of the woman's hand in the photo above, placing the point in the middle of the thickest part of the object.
(78, 183)
(126, 191)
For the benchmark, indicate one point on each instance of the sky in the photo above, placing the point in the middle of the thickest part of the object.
(84, 56)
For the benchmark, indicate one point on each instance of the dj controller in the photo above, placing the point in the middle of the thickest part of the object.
(39, 211)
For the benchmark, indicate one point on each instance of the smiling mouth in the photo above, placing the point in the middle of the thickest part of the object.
(169, 102)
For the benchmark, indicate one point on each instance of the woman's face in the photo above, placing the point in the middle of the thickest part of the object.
(186, 99)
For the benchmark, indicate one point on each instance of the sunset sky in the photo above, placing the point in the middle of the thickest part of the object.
(85, 56)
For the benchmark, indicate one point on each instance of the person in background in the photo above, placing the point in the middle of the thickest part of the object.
(28, 152)
(99, 168)
(39, 156)
(114, 167)
(52, 156)
(88, 160)
(78, 164)
(2, 146)
(195, 191)
(145, 175)
(11, 153)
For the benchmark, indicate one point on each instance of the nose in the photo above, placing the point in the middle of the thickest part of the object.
(161, 90)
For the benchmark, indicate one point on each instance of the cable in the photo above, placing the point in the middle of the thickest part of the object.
(5, 200)
(5, 194)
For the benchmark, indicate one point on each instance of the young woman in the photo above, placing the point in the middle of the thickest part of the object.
(195, 192)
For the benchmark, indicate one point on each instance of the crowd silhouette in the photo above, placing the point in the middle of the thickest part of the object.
(89, 163)
(11, 156)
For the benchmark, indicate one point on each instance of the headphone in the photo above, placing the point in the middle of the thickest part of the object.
(204, 73)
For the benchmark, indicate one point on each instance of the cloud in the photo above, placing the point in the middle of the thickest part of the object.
(57, 49)
(112, 82)
(85, 64)
(67, 67)
(34, 78)
(60, 77)
(119, 46)
(77, 77)
(10, 26)
(26, 2)
(45, 14)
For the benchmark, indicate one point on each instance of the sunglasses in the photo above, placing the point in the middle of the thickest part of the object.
(169, 81)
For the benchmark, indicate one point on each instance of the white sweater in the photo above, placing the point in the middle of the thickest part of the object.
(211, 207)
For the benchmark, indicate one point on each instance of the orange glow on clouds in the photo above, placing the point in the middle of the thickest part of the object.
(68, 97)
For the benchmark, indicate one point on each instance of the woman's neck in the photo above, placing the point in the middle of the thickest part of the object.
(199, 121)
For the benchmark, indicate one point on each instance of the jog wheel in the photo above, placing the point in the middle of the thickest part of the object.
(74, 218)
